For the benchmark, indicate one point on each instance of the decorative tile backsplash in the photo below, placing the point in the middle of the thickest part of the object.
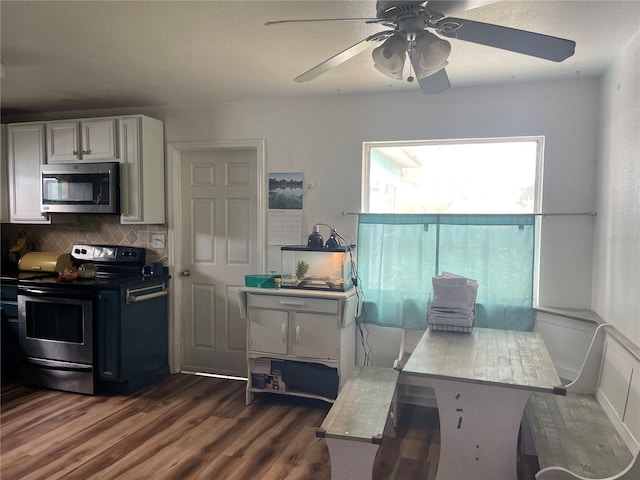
(89, 229)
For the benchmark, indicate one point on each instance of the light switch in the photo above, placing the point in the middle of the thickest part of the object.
(157, 241)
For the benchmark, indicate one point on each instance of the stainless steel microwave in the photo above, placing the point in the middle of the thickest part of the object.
(80, 188)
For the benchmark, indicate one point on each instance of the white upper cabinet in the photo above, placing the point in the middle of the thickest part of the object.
(25, 155)
(142, 170)
(135, 141)
(4, 176)
(90, 140)
(99, 139)
(4, 183)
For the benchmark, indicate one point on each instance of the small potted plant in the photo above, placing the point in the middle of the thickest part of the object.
(301, 269)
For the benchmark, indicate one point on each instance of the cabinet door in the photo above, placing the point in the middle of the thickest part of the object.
(63, 142)
(130, 171)
(315, 336)
(4, 183)
(142, 170)
(26, 154)
(99, 140)
(268, 330)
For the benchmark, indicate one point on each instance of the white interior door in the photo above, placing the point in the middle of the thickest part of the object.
(218, 227)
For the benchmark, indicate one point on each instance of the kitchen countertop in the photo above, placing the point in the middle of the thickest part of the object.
(103, 282)
(51, 278)
(13, 276)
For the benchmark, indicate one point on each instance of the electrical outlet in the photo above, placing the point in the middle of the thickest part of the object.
(157, 241)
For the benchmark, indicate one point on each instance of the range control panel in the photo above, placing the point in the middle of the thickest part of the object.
(108, 253)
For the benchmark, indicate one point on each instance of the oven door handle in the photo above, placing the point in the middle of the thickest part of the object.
(57, 293)
(32, 291)
(57, 365)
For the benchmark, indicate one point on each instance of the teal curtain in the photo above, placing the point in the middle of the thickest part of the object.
(398, 254)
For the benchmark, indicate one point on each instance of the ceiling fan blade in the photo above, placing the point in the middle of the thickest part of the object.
(511, 39)
(307, 20)
(343, 56)
(450, 7)
(436, 83)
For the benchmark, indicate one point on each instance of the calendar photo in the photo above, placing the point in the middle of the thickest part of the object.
(285, 191)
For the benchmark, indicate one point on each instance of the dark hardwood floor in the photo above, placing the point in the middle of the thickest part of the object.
(193, 427)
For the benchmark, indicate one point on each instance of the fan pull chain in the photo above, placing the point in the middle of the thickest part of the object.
(410, 77)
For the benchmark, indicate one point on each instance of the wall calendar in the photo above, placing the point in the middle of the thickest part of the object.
(285, 227)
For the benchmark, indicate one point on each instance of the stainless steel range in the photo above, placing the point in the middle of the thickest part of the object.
(103, 334)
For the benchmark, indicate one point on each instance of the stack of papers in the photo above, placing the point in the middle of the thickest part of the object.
(453, 304)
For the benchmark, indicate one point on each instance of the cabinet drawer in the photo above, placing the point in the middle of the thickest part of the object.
(9, 309)
(301, 304)
(9, 292)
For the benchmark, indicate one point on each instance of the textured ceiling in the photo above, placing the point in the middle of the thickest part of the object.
(60, 55)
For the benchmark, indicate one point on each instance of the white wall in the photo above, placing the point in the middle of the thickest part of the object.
(322, 137)
(616, 273)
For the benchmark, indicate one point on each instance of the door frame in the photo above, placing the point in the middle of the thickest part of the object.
(174, 192)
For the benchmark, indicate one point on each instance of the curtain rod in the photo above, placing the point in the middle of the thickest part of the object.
(592, 214)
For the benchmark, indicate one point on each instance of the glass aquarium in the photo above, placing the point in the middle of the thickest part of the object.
(317, 268)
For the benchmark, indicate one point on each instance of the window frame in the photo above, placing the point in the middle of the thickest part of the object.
(538, 189)
(368, 146)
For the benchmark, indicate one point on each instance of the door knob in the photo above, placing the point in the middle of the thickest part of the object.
(185, 273)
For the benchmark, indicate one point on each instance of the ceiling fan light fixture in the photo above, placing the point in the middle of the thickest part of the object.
(424, 73)
(389, 57)
(432, 51)
(394, 75)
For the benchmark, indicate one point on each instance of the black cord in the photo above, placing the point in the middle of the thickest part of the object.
(364, 338)
(362, 325)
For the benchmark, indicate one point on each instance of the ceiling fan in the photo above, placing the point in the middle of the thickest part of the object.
(409, 35)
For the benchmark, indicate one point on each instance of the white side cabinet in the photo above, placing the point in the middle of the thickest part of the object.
(90, 140)
(26, 152)
(142, 170)
(299, 343)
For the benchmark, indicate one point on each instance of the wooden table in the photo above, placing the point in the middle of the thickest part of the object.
(482, 381)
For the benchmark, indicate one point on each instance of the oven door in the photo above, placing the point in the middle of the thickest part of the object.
(56, 326)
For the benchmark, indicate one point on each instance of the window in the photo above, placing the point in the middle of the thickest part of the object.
(461, 176)
(463, 207)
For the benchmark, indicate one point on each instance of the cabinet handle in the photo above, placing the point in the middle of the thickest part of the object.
(75, 152)
(297, 334)
(284, 333)
(87, 152)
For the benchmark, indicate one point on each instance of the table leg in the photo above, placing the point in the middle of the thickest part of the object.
(351, 459)
(479, 427)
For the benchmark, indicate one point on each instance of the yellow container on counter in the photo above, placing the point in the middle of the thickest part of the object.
(45, 262)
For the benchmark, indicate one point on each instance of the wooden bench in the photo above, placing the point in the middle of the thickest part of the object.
(593, 431)
(355, 425)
